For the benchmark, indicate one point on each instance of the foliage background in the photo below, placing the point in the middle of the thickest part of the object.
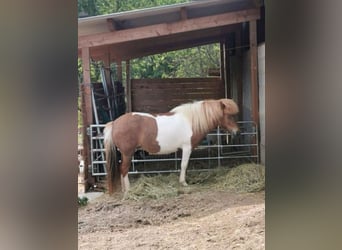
(100, 7)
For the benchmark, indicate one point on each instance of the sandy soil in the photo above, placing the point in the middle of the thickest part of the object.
(198, 220)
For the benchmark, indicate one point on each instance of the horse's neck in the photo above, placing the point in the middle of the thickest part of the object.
(197, 138)
(214, 126)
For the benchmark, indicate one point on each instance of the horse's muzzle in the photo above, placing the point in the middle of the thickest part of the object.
(236, 132)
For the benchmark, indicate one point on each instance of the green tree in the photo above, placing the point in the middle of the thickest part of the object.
(192, 62)
(87, 8)
(100, 7)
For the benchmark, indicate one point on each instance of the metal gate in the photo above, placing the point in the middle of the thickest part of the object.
(97, 151)
(218, 148)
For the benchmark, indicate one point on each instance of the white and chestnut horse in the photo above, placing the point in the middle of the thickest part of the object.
(183, 127)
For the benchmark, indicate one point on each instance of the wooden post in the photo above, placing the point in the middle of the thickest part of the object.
(228, 93)
(238, 72)
(254, 71)
(128, 87)
(87, 114)
(222, 64)
(106, 62)
(254, 77)
(221, 60)
(119, 69)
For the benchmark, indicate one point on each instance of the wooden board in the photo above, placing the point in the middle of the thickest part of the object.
(161, 95)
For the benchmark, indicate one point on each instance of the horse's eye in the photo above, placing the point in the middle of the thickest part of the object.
(232, 117)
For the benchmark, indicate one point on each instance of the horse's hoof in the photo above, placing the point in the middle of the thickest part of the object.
(184, 184)
(125, 195)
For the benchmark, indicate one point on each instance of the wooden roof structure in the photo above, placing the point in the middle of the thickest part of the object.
(138, 33)
(127, 35)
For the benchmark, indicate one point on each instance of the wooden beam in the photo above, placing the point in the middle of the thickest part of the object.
(86, 83)
(238, 72)
(227, 69)
(222, 64)
(119, 69)
(131, 50)
(128, 87)
(106, 62)
(87, 113)
(168, 28)
(98, 53)
(254, 77)
(161, 48)
(254, 71)
(169, 43)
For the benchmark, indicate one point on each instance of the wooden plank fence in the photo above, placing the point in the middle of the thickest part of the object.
(161, 95)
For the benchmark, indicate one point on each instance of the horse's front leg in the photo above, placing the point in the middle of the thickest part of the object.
(186, 151)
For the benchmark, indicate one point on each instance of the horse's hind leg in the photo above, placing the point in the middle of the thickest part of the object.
(186, 151)
(126, 163)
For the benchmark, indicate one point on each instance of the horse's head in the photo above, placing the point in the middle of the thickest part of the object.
(229, 117)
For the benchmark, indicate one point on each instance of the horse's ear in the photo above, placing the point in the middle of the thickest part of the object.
(223, 106)
(229, 106)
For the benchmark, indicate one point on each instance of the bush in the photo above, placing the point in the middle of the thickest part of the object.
(82, 201)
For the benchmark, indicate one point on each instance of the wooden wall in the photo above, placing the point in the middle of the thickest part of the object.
(161, 95)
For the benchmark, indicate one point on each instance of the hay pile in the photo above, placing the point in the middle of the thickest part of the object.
(154, 187)
(243, 178)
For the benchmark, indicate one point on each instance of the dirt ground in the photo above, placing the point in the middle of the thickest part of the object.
(200, 219)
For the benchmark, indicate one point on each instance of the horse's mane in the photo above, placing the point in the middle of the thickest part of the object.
(203, 115)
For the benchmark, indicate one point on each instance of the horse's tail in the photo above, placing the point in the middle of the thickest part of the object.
(111, 161)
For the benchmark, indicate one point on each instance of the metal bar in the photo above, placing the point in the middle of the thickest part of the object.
(99, 150)
(171, 171)
(94, 106)
(91, 153)
(198, 158)
(98, 162)
(97, 137)
(226, 146)
(100, 140)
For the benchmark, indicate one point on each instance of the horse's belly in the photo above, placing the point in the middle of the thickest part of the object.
(168, 148)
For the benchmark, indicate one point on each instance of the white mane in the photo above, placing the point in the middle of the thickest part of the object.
(202, 115)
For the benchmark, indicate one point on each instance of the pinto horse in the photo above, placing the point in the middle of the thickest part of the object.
(183, 127)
